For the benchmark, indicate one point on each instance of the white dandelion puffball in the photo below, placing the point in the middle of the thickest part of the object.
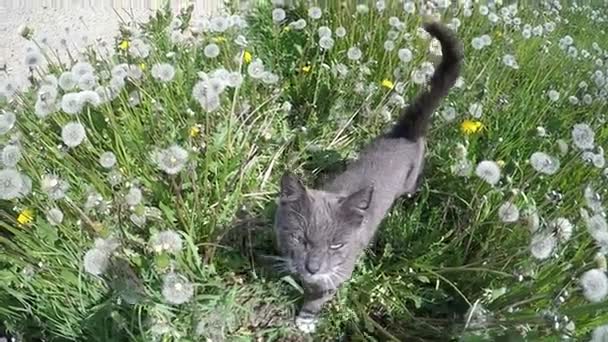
(299, 24)
(166, 241)
(532, 220)
(7, 121)
(11, 154)
(562, 145)
(476, 110)
(509, 60)
(508, 212)
(11, 184)
(595, 285)
(42, 109)
(583, 136)
(89, 97)
(54, 216)
(33, 58)
(315, 13)
(171, 160)
(82, 68)
(255, 69)
(278, 15)
(593, 200)
(544, 163)
(448, 114)
(553, 95)
(354, 54)
(67, 81)
(542, 245)
(211, 50)
(405, 55)
(462, 168)
(489, 171)
(600, 334)
(53, 186)
(389, 45)
(477, 43)
(340, 32)
(96, 261)
(563, 227)
(326, 43)
(108, 245)
(324, 31)
(409, 7)
(163, 72)
(177, 289)
(107, 160)
(134, 196)
(73, 134)
(71, 103)
(87, 82)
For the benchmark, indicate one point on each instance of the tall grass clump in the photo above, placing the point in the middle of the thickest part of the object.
(138, 179)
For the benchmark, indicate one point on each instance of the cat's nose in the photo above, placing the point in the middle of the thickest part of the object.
(313, 265)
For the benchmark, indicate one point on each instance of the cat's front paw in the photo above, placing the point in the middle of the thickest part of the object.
(307, 324)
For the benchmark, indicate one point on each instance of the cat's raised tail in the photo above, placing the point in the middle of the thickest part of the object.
(416, 117)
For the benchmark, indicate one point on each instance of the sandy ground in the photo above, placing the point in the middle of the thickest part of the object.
(80, 22)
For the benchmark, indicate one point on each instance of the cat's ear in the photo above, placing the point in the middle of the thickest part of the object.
(358, 202)
(292, 188)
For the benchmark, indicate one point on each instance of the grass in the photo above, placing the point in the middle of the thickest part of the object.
(436, 256)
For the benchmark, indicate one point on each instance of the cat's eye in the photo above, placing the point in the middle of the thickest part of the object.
(336, 246)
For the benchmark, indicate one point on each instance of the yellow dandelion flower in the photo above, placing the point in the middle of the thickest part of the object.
(287, 28)
(306, 68)
(124, 45)
(500, 163)
(143, 66)
(25, 216)
(388, 83)
(470, 126)
(218, 39)
(194, 131)
(247, 57)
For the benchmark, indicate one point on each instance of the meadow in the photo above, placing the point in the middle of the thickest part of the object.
(139, 179)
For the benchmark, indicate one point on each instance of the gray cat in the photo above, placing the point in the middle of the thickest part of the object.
(321, 233)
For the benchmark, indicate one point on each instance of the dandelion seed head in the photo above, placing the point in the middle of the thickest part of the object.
(326, 42)
(166, 241)
(67, 81)
(509, 60)
(71, 103)
(573, 100)
(583, 136)
(278, 15)
(595, 285)
(176, 289)
(409, 7)
(508, 212)
(405, 55)
(477, 43)
(87, 82)
(315, 13)
(593, 200)
(562, 145)
(476, 110)
(163, 72)
(107, 160)
(354, 54)
(82, 68)
(73, 134)
(139, 49)
(42, 109)
(462, 168)
(53, 186)
(11, 184)
(171, 160)
(340, 32)
(219, 24)
(11, 154)
(211, 50)
(544, 163)
(324, 31)
(96, 261)
(542, 245)
(54, 216)
(563, 227)
(90, 97)
(299, 24)
(134, 196)
(389, 45)
(489, 171)
(33, 58)
(553, 95)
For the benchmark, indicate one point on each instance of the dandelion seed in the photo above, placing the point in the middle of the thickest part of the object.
(340, 32)
(163, 72)
(476, 110)
(563, 227)
(553, 95)
(544, 163)
(171, 160)
(11, 184)
(542, 245)
(73, 134)
(488, 171)
(409, 7)
(107, 160)
(211, 50)
(595, 285)
(71, 103)
(166, 241)
(53, 186)
(33, 59)
(405, 55)
(67, 81)
(278, 15)
(134, 196)
(315, 13)
(11, 154)
(96, 261)
(299, 24)
(177, 289)
(326, 43)
(583, 136)
(354, 54)
(509, 60)
(508, 212)
(54, 216)
(256, 69)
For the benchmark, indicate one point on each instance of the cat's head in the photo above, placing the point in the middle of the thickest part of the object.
(317, 231)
